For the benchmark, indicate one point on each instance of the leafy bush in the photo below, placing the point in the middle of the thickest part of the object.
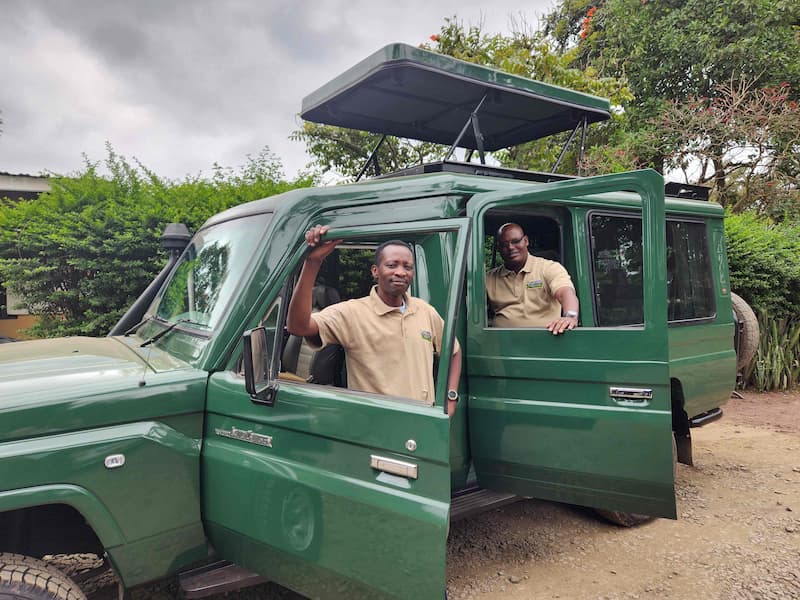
(764, 265)
(81, 253)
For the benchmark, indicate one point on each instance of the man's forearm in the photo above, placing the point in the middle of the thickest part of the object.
(568, 300)
(298, 319)
(452, 380)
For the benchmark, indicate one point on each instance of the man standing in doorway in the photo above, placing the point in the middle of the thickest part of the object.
(389, 337)
(528, 291)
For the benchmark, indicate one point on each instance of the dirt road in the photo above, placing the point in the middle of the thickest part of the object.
(737, 536)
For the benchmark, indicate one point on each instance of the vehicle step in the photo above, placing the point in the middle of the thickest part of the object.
(474, 502)
(216, 578)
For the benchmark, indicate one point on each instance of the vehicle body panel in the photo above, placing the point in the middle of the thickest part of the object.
(68, 404)
(542, 419)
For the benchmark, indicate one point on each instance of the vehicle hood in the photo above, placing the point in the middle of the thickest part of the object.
(78, 382)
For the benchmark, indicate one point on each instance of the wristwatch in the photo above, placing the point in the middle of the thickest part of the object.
(571, 314)
(452, 395)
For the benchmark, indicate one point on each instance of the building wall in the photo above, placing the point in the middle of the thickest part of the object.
(13, 327)
(16, 187)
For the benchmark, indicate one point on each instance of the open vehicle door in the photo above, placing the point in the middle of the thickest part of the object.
(582, 417)
(333, 492)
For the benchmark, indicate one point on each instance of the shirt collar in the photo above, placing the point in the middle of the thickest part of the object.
(381, 308)
(526, 268)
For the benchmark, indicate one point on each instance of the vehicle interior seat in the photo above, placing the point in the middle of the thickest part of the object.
(323, 367)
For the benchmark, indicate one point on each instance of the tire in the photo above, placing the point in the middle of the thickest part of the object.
(26, 578)
(623, 519)
(748, 340)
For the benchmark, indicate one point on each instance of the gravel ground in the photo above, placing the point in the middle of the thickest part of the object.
(737, 536)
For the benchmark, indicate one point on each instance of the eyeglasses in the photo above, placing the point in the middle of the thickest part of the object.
(509, 243)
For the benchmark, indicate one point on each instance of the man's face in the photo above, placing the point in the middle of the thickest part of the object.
(395, 271)
(513, 245)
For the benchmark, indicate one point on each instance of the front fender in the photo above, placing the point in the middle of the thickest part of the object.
(79, 498)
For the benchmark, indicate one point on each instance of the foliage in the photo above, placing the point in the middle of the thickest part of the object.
(673, 49)
(522, 52)
(763, 263)
(777, 361)
(81, 253)
(743, 139)
(712, 82)
(344, 151)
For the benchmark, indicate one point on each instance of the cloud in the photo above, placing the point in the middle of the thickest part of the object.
(182, 86)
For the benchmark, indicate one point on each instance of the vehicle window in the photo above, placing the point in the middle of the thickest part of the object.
(208, 272)
(616, 247)
(689, 279)
(506, 305)
(544, 235)
(346, 274)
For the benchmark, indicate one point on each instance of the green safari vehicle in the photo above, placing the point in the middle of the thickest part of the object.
(201, 438)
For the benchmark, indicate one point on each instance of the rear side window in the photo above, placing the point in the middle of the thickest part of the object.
(617, 269)
(689, 279)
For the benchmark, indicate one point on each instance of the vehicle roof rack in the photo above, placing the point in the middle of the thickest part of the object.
(686, 190)
(470, 168)
(671, 188)
(421, 95)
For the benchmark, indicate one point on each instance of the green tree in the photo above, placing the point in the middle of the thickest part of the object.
(688, 62)
(673, 49)
(743, 140)
(81, 253)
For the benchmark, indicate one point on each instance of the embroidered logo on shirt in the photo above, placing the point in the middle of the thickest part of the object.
(532, 285)
(426, 335)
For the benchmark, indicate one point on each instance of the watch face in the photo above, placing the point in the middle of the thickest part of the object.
(452, 395)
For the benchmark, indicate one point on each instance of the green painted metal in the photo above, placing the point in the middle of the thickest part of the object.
(410, 92)
(542, 421)
(313, 495)
(82, 500)
(312, 502)
(702, 358)
(159, 556)
(67, 404)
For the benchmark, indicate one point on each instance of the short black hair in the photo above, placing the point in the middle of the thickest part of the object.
(377, 260)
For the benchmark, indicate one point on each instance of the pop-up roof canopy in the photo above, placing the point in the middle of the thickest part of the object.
(413, 93)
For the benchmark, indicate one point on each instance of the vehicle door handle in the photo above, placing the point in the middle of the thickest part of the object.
(393, 466)
(631, 396)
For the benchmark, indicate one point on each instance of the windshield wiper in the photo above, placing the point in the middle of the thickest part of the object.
(161, 334)
(139, 324)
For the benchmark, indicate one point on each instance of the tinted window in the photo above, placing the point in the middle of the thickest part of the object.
(689, 280)
(617, 269)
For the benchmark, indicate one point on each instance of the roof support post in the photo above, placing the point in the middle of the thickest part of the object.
(373, 158)
(566, 147)
(476, 131)
(583, 146)
(473, 120)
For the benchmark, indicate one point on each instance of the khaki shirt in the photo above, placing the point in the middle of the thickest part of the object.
(527, 298)
(388, 352)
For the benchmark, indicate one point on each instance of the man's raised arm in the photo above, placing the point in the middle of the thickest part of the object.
(299, 321)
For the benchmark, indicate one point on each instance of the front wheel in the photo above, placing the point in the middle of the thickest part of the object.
(26, 578)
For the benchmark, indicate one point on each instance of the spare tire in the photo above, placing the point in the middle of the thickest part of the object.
(748, 338)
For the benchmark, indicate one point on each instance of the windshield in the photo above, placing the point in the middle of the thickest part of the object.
(207, 274)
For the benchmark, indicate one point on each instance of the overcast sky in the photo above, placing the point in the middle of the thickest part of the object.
(183, 85)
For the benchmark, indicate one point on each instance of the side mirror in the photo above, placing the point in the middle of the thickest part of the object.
(256, 362)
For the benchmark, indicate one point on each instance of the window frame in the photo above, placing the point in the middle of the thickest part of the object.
(712, 286)
(669, 218)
